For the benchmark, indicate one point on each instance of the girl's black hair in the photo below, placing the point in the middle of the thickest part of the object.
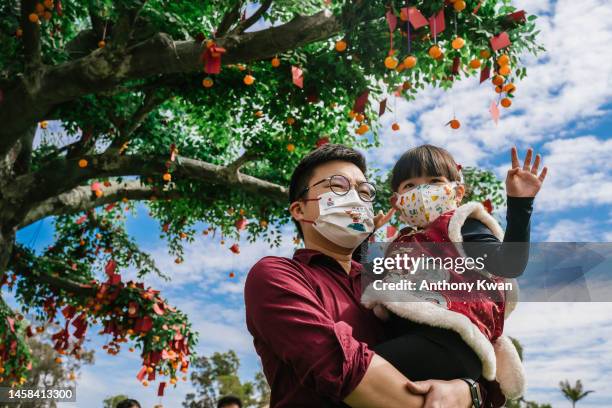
(424, 161)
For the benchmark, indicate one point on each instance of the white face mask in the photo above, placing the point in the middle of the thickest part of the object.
(426, 202)
(345, 220)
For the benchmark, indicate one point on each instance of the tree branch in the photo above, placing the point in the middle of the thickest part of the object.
(229, 19)
(60, 177)
(232, 170)
(122, 30)
(82, 199)
(101, 70)
(76, 288)
(254, 17)
(151, 101)
(31, 35)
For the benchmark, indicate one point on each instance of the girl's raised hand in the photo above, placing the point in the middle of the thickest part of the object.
(524, 181)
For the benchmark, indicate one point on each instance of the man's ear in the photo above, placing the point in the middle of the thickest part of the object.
(296, 210)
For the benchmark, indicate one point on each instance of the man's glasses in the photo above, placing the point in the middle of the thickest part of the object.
(341, 185)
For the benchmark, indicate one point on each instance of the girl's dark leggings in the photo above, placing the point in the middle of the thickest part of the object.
(422, 352)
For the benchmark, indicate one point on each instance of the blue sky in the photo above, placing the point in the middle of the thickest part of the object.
(562, 109)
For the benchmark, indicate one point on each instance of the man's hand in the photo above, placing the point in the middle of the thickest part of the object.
(524, 182)
(442, 394)
(381, 218)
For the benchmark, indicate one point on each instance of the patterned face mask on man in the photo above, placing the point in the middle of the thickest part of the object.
(344, 220)
(424, 203)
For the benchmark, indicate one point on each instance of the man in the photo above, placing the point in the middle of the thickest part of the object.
(309, 328)
(229, 402)
(128, 403)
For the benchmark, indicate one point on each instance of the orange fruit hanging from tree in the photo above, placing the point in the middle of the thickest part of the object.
(410, 61)
(207, 82)
(391, 62)
(458, 43)
(454, 124)
(435, 52)
(249, 79)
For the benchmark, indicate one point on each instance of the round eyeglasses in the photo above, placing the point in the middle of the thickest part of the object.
(340, 185)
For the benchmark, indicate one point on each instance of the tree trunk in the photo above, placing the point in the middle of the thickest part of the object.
(7, 239)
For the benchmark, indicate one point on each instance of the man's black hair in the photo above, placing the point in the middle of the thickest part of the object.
(128, 403)
(303, 172)
(229, 400)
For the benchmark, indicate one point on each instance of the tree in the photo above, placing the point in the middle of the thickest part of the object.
(217, 376)
(49, 371)
(115, 92)
(573, 393)
(111, 402)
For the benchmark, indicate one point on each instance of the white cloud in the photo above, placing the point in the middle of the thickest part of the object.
(580, 173)
(568, 84)
(557, 347)
(207, 263)
(570, 231)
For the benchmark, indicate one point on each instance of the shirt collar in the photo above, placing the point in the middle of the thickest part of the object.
(309, 256)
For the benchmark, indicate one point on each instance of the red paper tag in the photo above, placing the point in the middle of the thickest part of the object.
(494, 109)
(391, 231)
(518, 16)
(360, 102)
(11, 323)
(322, 141)
(500, 41)
(298, 77)
(488, 205)
(382, 107)
(111, 267)
(160, 389)
(456, 63)
(212, 59)
(437, 23)
(391, 20)
(158, 309)
(485, 73)
(114, 279)
(417, 20)
(69, 312)
(141, 373)
(241, 223)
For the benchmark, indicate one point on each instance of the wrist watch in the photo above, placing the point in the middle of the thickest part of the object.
(474, 392)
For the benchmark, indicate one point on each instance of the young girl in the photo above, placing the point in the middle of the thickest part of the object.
(438, 334)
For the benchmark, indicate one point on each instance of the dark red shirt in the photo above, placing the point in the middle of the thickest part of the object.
(309, 327)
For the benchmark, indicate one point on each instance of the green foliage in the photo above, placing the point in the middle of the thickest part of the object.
(573, 393)
(482, 185)
(217, 376)
(111, 402)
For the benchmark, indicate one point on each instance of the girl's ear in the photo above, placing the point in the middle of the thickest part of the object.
(459, 192)
(393, 201)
